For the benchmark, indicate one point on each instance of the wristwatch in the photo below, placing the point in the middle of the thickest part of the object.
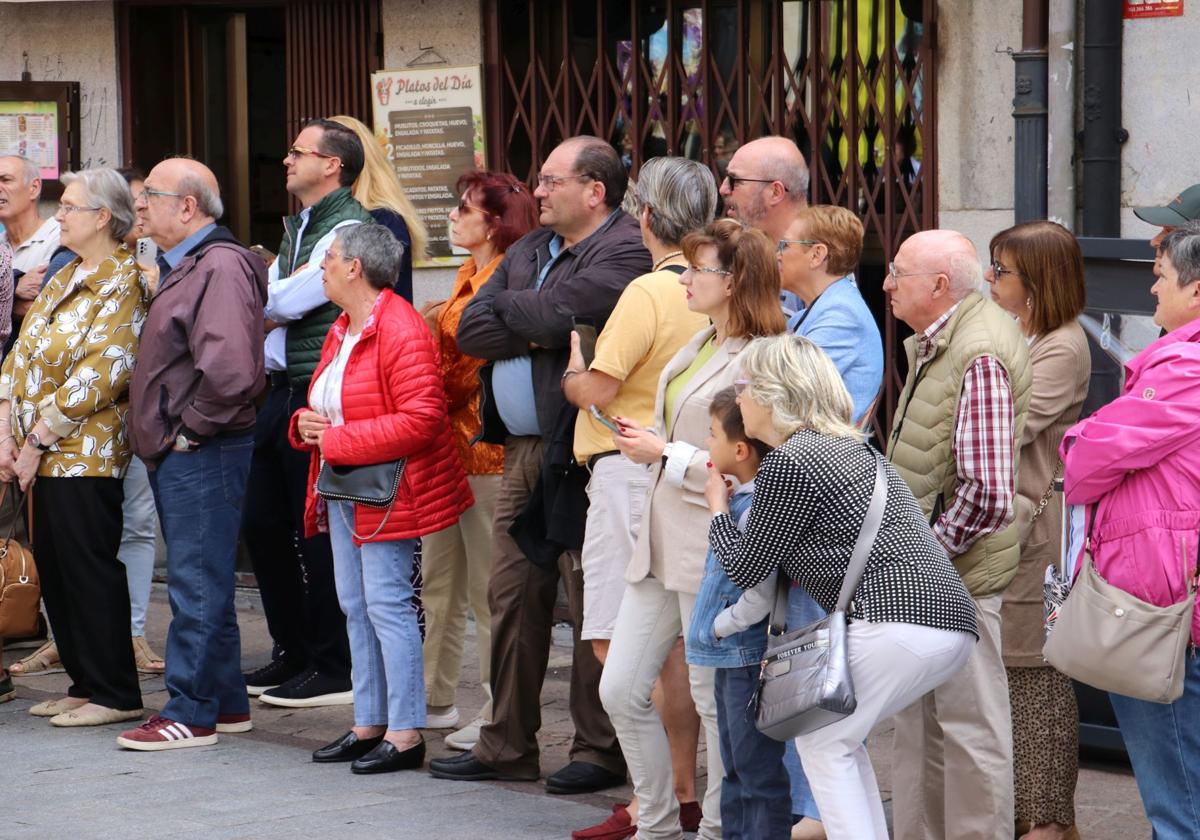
(33, 438)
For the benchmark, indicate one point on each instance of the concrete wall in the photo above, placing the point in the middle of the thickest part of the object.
(454, 28)
(70, 42)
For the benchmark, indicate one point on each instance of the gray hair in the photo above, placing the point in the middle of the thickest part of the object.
(374, 246)
(208, 201)
(681, 195)
(1182, 245)
(794, 178)
(29, 168)
(965, 275)
(107, 190)
(800, 384)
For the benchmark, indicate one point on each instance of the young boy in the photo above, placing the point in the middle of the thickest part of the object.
(755, 795)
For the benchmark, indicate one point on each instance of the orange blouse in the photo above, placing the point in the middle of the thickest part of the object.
(460, 374)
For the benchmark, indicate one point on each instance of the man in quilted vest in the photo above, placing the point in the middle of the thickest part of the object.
(310, 663)
(954, 441)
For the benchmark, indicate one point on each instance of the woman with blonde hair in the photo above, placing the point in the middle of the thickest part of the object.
(911, 622)
(377, 188)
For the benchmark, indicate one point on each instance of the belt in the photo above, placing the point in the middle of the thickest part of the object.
(591, 462)
(278, 378)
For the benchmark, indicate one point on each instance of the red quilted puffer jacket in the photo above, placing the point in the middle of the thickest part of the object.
(394, 407)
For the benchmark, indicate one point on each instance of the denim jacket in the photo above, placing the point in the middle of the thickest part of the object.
(717, 592)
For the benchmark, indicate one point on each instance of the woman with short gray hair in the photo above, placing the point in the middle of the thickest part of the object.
(650, 324)
(63, 400)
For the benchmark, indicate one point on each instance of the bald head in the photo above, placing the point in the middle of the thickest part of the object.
(766, 185)
(934, 270)
(180, 197)
(191, 178)
(949, 252)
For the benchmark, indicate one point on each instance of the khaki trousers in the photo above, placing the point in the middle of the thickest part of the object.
(456, 567)
(521, 596)
(955, 745)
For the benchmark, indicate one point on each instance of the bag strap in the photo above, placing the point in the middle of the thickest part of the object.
(858, 558)
(12, 525)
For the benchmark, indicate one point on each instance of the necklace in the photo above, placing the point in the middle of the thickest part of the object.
(670, 256)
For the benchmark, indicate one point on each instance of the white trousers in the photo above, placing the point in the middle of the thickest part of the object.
(649, 622)
(892, 665)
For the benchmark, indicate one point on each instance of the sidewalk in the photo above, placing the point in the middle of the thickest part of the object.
(77, 783)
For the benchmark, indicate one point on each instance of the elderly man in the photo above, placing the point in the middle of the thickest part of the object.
(1182, 209)
(953, 440)
(37, 253)
(766, 185)
(578, 263)
(191, 419)
(311, 661)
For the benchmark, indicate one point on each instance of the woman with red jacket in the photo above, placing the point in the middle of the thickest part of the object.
(377, 396)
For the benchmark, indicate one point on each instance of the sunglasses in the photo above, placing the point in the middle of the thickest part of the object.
(300, 151)
(740, 386)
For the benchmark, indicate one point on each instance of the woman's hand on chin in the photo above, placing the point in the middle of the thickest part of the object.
(717, 490)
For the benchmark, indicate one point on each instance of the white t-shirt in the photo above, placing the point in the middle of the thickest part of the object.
(37, 249)
(326, 396)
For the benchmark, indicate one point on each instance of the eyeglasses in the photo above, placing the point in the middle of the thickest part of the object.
(149, 193)
(734, 180)
(464, 206)
(703, 269)
(74, 208)
(999, 271)
(896, 275)
(740, 386)
(551, 182)
(785, 243)
(299, 151)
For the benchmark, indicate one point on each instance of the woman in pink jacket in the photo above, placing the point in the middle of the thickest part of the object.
(1137, 461)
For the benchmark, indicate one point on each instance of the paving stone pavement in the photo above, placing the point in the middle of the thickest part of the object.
(261, 785)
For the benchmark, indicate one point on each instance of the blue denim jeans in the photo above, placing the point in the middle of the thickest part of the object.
(802, 610)
(374, 588)
(199, 497)
(1163, 742)
(755, 802)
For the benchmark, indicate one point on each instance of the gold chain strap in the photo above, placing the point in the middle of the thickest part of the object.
(1047, 495)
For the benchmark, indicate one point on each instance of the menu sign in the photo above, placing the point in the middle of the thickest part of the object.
(30, 129)
(431, 120)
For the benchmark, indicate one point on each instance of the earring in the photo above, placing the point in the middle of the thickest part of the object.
(1029, 303)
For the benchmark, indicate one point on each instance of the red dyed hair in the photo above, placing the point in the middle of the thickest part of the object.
(505, 199)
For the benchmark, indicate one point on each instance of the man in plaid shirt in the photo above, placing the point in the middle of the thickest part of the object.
(954, 441)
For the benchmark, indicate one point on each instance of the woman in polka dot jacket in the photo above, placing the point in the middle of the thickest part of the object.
(912, 623)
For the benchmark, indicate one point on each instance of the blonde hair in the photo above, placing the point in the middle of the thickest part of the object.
(378, 187)
(801, 386)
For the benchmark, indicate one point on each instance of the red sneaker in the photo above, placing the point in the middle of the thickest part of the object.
(160, 733)
(690, 816)
(616, 827)
(234, 723)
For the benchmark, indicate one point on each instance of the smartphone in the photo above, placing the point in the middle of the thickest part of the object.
(586, 327)
(604, 420)
(147, 252)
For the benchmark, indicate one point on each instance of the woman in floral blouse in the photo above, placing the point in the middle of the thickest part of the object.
(63, 398)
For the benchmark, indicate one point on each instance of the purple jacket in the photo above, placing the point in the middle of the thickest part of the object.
(1138, 458)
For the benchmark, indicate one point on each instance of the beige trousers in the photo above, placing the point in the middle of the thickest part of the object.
(955, 744)
(456, 566)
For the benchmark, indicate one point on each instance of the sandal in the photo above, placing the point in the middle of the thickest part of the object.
(147, 661)
(44, 660)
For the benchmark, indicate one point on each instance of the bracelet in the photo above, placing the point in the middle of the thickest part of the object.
(566, 373)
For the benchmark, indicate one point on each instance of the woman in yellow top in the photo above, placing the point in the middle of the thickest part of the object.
(63, 398)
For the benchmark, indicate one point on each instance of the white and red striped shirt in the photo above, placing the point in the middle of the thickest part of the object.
(983, 449)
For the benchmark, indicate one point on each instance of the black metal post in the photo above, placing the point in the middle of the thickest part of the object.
(1030, 110)
(1102, 132)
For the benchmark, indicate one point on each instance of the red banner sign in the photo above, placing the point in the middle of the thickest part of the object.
(1153, 8)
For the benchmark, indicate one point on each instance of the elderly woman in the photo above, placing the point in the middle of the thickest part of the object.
(375, 397)
(1134, 464)
(63, 398)
(495, 211)
(1036, 274)
(912, 623)
(651, 323)
(731, 278)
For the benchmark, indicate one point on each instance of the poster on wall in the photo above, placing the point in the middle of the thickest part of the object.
(1153, 8)
(431, 122)
(30, 129)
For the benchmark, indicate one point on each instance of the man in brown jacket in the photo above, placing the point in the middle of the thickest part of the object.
(191, 419)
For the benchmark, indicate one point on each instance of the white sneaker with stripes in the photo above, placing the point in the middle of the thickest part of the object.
(160, 733)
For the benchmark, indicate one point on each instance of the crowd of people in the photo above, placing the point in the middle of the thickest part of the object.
(663, 412)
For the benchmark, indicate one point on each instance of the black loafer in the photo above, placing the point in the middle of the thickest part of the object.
(467, 768)
(582, 777)
(385, 758)
(347, 748)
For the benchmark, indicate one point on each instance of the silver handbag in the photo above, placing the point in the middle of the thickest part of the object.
(805, 683)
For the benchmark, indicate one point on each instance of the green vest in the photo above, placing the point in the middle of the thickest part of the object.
(306, 336)
(924, 426)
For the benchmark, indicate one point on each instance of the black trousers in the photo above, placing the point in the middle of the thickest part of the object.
(295, 575)
(76, 535)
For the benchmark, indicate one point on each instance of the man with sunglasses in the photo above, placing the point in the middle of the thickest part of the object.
(954, 441)
(310, 663)
(577, 264)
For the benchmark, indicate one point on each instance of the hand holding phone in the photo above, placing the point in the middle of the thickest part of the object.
(606, 421)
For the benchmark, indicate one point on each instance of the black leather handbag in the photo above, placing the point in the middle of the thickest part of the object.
(373, 485)
(805, 679)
